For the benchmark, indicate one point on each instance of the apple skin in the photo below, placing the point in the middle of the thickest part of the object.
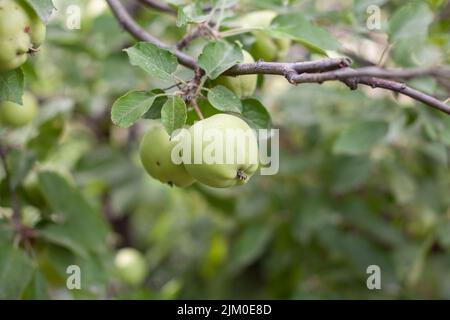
(36, 29)
(223, 175)
(242, 86)
(130, 266)
(155, 152)
(14, 53)
(20, 30)
(37, 32)
(15, 115)
(269, 49)
(14, 39)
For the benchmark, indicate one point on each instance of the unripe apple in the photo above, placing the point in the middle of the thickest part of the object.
(265, 47)
(20, 30)
(14, 53)
(156, 157)
(36, 29)
(235, 142)
(14, 39)
(37, 32)
(131, 266)
(242, 86)
(422, 223)
(15, 115)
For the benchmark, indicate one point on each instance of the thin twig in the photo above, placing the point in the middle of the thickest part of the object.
(279, 68)
(345, 73)
(160, 6)
(302, 72)
(201, 30)
(197, 109)
(138, 32)
(352, 77)
(407, 91)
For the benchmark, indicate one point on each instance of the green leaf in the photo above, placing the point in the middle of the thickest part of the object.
(360, 6)
(352, 173)
(191, 13)
(443, 233)
(410, 21)
(401, 184)
(296, 27)
(11, 86)
(173, 114)
(80, 227)
(256, 114)
(16, 270)
(43, 8)
(155, 110)
(360, 138)
(219, 56)
(37, 288)
(131, 107)
(445, 131)
(21, 163)
(224, 99)
(49, 133)
(159, 63)
(249, 246)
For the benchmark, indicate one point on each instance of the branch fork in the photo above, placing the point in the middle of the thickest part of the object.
(333, 69)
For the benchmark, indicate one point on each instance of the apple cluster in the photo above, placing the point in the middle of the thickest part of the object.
(21, 33)
(156, 152)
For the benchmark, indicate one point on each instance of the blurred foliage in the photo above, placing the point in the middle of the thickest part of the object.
(364, 175)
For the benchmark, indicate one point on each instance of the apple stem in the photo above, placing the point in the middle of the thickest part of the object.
(241, 175)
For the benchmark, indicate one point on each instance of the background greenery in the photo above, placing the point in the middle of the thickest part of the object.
(364, 175)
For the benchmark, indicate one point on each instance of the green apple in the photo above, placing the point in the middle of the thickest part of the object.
(156, 157)
(36, 29)
(14, 39)
(15, 115)
(265, 47)
(20, 30)
(130, 266)
(14, 53)
(227, 149)
(422, 223)
(37, 32)
(242, 86)
(269, 49)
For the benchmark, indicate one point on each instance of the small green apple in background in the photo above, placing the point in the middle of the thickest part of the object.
(224, 175)
(242, 86)
(15, 115)
(20, 30)
(422, 223)
(156, 157)
(265, 47)
(130, 266)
